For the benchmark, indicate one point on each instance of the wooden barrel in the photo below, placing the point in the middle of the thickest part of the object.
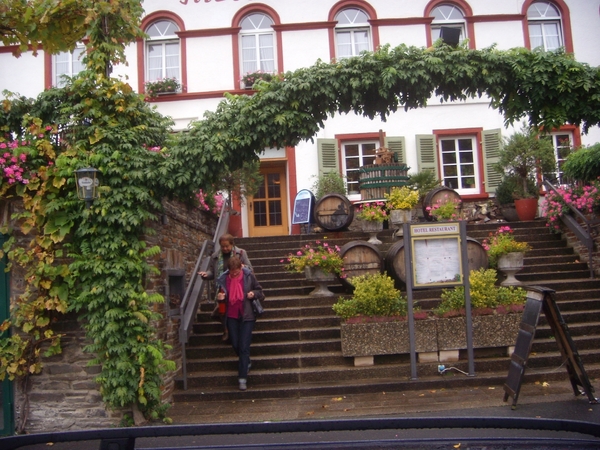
(395, 267)
(334, 212)
(440, 194)
(375, 180)
(360, 258)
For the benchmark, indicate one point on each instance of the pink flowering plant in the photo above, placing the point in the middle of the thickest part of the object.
(252, 77)
(372, 212)
(208, 202)
(162, 86)
(24, 160)
(446, 209)
(501, 243)
(318, 254)
(585, 199)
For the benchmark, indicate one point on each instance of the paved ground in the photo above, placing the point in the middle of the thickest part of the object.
(546, 400)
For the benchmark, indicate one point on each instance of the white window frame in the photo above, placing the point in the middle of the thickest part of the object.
(352, 23)
(542, 17)
(73, 64)
(559, 145)
(257, 29)
(162, 37)
(448, 15)
(365, 155)
(461, 166)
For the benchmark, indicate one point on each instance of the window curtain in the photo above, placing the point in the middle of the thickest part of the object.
(267, 54)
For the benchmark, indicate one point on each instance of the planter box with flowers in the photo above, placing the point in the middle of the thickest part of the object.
(496, 315)
(400, 203)
(248, 80)
(162, 86)
(374, 321)
(371, 216)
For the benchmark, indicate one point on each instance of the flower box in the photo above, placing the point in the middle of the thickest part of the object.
(495, 330)
(387, 338)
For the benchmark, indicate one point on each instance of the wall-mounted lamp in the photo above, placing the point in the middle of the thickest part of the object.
(87, 184)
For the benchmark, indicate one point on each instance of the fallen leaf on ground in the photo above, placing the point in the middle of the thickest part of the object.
(457, 445)
(433, 392)
(491, 387)
(421, 395)
(545, 384)
(325, 406)
(310, 413)
(337, 399)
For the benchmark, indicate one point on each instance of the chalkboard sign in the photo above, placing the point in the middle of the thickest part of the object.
(303, 207)
(542, 299)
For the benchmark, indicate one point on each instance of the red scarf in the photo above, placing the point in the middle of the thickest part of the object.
(235, 288)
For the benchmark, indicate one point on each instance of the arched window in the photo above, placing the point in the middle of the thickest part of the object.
(352, 33)
(67, 64)
(545, 26)
(450, 16)
(257, 43)
(162, 51)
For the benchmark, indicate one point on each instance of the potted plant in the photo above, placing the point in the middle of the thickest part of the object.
(162, 86)
(329, 183)
(374, 321)
(495, 313)
(526, 156)
(320, 262)
(248, 80)
(372, 215)
(505, 195)
(505, 253)
(446, 208)
(400, 202)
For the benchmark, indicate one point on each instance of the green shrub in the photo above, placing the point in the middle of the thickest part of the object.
(374, 295)
(583, 165)
(484, 293)
(509, 185)
(424, 182)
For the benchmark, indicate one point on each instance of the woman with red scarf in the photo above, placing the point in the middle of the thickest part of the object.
(238, 287)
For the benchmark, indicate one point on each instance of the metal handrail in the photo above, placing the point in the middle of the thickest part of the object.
(583, 234)
(191, 299)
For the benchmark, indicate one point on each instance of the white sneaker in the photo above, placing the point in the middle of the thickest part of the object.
(242, 382)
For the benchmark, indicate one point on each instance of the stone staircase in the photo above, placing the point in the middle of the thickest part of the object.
(296, 348)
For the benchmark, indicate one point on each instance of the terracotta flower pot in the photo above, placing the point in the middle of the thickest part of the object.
(526, 208)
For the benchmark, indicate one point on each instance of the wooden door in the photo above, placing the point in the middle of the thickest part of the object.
(267, 210)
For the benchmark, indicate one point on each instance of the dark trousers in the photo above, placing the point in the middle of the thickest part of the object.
(240, 335)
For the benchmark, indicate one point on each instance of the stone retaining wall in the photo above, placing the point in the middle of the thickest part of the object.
(65, 396)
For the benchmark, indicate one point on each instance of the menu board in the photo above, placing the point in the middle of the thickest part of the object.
(437, 261)
(436, 254)
(303, 207)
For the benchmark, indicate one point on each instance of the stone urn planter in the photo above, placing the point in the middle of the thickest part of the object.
(372, 227)
(399, 217)
(364, 340)
(321, 279)
(510, 264)
(494, 330)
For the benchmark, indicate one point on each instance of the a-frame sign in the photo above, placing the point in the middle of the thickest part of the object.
(542, 299)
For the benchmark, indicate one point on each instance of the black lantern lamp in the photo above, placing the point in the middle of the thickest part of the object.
(87, 184)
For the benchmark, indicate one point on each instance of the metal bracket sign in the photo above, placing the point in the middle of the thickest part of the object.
(437, 256)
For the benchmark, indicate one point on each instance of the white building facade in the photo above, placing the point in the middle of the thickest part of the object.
(208, 45)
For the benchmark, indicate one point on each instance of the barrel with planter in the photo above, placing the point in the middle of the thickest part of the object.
(333, 212)
(396, 268)
(376, 180)
(440, 194)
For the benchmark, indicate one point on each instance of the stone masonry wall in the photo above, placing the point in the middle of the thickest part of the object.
(65, 396)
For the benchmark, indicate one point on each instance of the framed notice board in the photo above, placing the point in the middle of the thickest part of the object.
(542, 299)
(304, 205)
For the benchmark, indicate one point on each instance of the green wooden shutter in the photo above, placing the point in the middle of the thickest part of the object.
(397, 144)
(328, 155)
(427, 154)
(491, 143)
